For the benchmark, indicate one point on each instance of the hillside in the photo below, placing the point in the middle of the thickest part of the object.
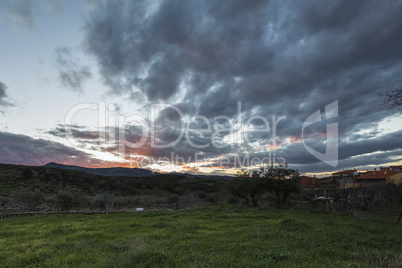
(115, 171)
(55, 185)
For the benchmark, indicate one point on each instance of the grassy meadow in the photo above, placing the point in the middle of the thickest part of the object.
(220, 236)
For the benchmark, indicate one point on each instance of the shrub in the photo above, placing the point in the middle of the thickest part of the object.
(68, 198)
(28, 198)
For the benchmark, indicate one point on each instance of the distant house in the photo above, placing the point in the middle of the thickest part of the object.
(375, 176)
(326, 182)
(307, 182)
(355, 178)
(392, 168)
(345, 173)
(384, 175)
(345, 178)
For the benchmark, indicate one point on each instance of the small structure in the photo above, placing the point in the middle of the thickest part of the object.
(139, 209)
(396, 168)
(345, 173)
(307, 182)
(326, 182)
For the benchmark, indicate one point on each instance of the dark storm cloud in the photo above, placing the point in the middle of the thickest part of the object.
(179, 42)
(365, 151)
(3, 97)
(71, 73)
(278, 58)
(347, 149)
(77, 131)
(388, 142)
(21, 149)
(3, 94)
(362, 162)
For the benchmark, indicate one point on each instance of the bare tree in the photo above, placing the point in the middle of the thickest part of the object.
(393, 99)
(373, 195)
(99, 201)
(148, 202)
(115, 201)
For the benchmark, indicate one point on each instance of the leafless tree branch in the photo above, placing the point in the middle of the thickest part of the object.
(393, 99)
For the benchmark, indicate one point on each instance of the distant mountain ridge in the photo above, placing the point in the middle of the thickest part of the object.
(115, 171)
(127, 172)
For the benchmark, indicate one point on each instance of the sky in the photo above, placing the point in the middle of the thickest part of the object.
(200, 86)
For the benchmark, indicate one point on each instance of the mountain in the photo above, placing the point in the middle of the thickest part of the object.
(115, 171)
(128, 172)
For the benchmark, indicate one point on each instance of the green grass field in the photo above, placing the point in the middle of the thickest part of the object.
(203, 237)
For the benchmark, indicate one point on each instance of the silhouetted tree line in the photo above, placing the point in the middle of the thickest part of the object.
(30, 188)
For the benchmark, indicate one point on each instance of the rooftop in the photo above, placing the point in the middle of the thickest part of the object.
(378, 174)
(351, 171)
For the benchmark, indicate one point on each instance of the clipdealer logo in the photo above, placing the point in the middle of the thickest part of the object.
(237, 131)
(331, 153)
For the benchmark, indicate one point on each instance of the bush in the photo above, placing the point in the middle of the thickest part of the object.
(28, 198)
(68, 198)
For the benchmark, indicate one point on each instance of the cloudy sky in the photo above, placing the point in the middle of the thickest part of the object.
(200, 86)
